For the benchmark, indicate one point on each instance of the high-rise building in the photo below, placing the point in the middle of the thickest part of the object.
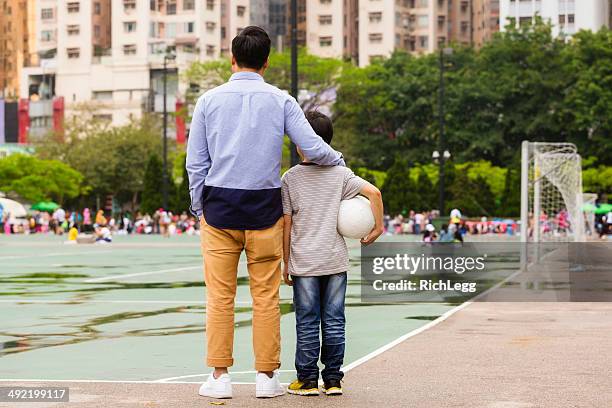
(278, 20)
(460, 21)
(331, 28)
(115, 65)
(259, 13)
(566, 16)
(485, 20)
(17, 43)
(234, 17)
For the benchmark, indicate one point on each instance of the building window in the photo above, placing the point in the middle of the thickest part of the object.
(46, 14)
(325, 41)
(73, 53)
(210, 25)
(72, 29)
(375, 17)
(561, 19)
(423, 41)
(570, 18)
(97, 8)
(325, 1)
(103, 118)
(129, 49)
(422, 3)
(210, 50)
(102, 95)
(222, 32)
(171, 8)
(423, 21)
(129, 5)
(240, 10)
(96, 31)
(188, 4)
(525, 21)
(73, 7)
(210, 4)
(170, 30)
(375, 37)
(46, 35)
(325, 19)
(129, 26)
(189, 27)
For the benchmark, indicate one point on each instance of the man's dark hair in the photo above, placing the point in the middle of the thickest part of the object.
(251, 47)
(321, 124)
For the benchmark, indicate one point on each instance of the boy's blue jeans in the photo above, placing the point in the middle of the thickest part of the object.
(319, 302)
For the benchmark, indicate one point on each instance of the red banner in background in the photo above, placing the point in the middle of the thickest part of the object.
(58, 115)
(24, 120)
(180, 122)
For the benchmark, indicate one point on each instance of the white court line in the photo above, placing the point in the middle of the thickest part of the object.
(131, 275)
(421, 329)
(2, 258)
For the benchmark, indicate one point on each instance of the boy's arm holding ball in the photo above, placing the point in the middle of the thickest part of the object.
(373, 194)
(286, 248)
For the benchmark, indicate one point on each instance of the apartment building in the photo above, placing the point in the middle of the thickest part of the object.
(17, 43)
(234, 17)
(277, 23)
(109, 55)
(485, 21)
(417, 26)
(331, 28)
(460, 21)
(566, 16)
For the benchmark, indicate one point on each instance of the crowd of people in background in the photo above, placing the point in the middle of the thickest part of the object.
(422, 223)
(104, 225)
(101, 224)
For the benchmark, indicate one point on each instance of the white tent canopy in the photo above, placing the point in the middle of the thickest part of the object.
(15, 209)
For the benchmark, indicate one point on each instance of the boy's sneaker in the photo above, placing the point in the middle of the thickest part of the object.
(332, 387)
(298, 387)
(266, 387)
(217, 387)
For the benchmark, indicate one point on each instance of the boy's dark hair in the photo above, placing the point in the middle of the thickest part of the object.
(321, 124)
(251, 47)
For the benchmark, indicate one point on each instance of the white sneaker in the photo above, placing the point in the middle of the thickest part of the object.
(266, 387)
(217, 387)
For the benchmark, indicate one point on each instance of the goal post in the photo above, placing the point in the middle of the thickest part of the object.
(551, 193)
(551, 198)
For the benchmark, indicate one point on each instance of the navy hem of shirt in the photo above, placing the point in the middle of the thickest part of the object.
(239, 209)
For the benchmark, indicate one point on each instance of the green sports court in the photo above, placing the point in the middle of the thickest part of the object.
(134, 310)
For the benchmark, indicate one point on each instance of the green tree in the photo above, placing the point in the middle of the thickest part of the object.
(152, 197)
(34, 179)
(399, 191)
(110, 158)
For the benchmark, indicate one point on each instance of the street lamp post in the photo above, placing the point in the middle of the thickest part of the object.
(441, 141)
(167, 57)
(294, 67)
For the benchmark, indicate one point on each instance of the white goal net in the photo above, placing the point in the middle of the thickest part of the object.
(551, 193)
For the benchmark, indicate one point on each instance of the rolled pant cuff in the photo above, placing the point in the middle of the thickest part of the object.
(266, 366)
(219, 362)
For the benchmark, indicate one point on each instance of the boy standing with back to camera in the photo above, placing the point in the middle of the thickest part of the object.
(316, 258)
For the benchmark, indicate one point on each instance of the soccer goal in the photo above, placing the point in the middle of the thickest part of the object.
(551, 193)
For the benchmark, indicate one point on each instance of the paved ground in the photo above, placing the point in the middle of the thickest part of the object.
(495, 355)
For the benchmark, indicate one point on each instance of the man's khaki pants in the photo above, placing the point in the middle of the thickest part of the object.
(221, 249)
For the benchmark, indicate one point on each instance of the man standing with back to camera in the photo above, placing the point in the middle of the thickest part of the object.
(233, 161)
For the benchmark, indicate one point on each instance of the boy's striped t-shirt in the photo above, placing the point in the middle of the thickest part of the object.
(311, 195)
